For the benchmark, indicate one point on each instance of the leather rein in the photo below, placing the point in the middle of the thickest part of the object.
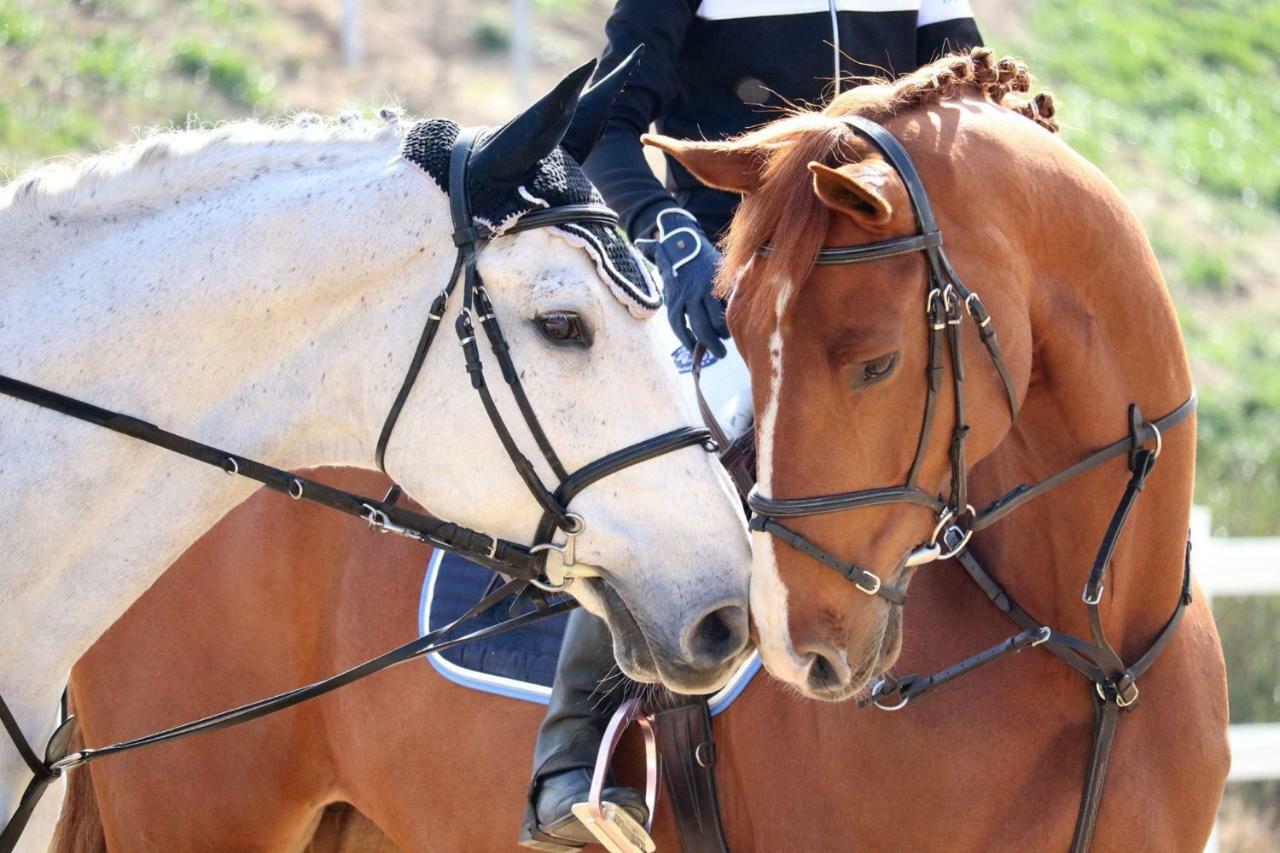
(522, 564)
(1113, 684)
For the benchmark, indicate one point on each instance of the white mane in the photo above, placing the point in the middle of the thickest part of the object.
(167, 163)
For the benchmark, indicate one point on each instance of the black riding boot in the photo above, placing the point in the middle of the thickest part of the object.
(570, 737)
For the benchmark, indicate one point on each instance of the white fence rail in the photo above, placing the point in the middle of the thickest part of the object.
(1231, 567)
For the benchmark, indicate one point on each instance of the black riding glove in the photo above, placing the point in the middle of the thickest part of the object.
(687, 260)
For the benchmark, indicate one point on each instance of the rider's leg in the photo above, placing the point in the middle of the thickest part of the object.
(570, 736)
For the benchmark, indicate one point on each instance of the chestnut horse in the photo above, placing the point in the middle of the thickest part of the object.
(993, 762)
(1072, 288)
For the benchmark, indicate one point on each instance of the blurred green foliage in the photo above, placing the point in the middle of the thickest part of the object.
(1180, 99)
(74, 73)
(1190, 84)
(18, 25)
(491, 35)
(225, 69)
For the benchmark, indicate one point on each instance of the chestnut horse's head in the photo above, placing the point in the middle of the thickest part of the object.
(840, 353)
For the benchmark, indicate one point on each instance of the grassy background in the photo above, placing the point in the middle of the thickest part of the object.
(1176, 101)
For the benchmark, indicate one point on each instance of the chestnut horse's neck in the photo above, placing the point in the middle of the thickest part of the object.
(1104, 335)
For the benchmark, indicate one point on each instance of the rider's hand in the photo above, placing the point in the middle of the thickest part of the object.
(687, 259)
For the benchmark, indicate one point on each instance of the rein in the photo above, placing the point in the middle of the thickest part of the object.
(1113, 683)
(524, 564)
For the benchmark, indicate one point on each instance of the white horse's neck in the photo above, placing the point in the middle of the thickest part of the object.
(273, 314)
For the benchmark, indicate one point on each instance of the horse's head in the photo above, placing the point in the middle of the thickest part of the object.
(839, 355)
(662, 556)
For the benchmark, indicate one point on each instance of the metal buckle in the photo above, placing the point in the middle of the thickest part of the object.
(968, 306)
(295, 489)
(1097, 596)
(1119, 699)
(1045, 633)
(873, 590)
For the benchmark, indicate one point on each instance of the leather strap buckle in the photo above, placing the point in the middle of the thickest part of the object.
(1124, 691)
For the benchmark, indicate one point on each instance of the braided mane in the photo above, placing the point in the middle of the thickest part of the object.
(785, 211)
(1000, 81)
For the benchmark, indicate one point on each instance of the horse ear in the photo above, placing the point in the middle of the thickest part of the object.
(860, 191)
(728, 166)
(594, 107)
(510, 153)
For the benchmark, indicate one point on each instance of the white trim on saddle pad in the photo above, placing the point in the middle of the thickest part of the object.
(527, 691)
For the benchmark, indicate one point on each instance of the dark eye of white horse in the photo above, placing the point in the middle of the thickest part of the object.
(875, 370)
(564, 327)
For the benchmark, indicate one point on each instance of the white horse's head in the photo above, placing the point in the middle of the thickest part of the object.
(262, 288)
(663, 557)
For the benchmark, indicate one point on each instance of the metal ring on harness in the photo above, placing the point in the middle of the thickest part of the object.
(878, 685)
(965, 535)
(295, 489)
(567, 551)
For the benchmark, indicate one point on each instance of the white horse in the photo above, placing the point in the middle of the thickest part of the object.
(262, 289)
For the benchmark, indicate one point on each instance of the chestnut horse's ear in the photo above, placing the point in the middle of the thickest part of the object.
(861, 191)
(720, 165)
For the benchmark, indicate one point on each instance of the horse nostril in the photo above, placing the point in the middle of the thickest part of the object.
(718, 635)
(826, 673)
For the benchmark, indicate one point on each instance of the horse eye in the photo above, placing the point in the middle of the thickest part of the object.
(875, 370)
(564, 327)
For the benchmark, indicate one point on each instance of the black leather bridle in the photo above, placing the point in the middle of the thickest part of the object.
(470, 239)
(1113, 684)
(525, 564)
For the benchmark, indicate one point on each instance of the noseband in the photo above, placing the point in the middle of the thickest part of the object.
(1113, 684)
(947, 299)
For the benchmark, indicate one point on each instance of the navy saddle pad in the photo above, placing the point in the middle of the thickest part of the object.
(520, 664)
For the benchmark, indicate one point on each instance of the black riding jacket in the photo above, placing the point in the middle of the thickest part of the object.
(715, 68)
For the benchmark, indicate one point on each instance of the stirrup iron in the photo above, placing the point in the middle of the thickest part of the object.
(612, 826)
